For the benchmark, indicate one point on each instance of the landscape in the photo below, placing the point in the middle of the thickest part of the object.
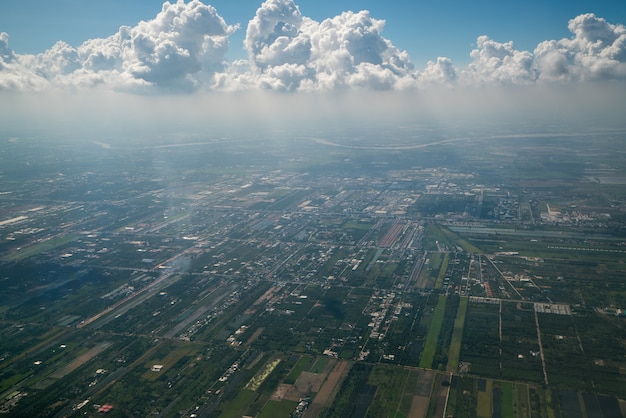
(358, 273)
(328, 209)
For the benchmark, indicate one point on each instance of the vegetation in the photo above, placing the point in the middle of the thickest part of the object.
(258, 379)
(454, 352)
(432, 338)
(300, 282)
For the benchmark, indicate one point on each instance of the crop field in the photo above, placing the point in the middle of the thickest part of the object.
(385, 390)
(34, 249)
(272, 391)
(454, 352)
(495, 398)
(432, 338)
(442, 271)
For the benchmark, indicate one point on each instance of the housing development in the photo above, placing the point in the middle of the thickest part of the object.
(466, 274)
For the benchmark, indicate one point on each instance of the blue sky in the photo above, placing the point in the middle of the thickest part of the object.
(426, 29)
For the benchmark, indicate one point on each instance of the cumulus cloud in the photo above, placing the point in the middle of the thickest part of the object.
(597, 51)
(499, 63)
(273, 36)
(15, 72)
(180, 49)
(6, 54)
(180, 42)
(184, 48)
(289, 51)
(439, 73)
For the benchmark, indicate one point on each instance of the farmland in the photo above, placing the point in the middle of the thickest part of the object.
(432, 283)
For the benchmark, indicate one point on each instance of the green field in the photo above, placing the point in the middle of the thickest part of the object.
(40, 247)
(238, 406)
(278, 409)
(170, 360)
(432, 338)
(484, 409)
(319, 365)
(390, 383)
(442, 271)
(303, 364)
(507, 400)
(454, 352)
(448, 239)
(521, 405)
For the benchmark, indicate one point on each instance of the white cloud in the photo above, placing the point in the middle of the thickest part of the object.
(184, 39)
(597, 51)
(184, 47)
(6, 54)
(439, 73)
(15, 70)
(180, 49)
(273, 36)
(351, 51)
(291, 52)
(498, 63)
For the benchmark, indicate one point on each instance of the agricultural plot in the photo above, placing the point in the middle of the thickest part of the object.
(431, 271)
(438, 238)
(181, 372)
(285, 385)
(480, 348)
(432, 339)
(547, 269)
(521, 354)
(442, 271)
(454, 351)
(478, 397)
(516, 353)
(56, 243)
(391, 391)
(576, 360)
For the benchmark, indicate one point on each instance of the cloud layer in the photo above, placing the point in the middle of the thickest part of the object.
(183, 49)
(180, 49)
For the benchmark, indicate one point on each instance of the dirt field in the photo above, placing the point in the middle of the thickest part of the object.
(421, 393)
(306, 384)
(309, 382)
(419, 407)
(69, 368)
(254, 336)
(327, 390)
(281, 391)
(440, 395)
(425, 383)
(267, 295)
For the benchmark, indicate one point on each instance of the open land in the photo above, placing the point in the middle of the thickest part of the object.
(466, 276)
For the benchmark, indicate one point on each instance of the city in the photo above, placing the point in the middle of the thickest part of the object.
(286, 274)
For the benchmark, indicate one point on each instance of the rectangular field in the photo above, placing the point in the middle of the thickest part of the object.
(454, 353)
(432, 338)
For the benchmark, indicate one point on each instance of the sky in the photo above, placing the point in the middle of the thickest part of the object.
(35, 25)
(430, 56)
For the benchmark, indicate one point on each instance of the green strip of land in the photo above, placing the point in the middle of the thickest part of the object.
(454, 353)
(430, 346)
(442, 271)
(39, 247)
